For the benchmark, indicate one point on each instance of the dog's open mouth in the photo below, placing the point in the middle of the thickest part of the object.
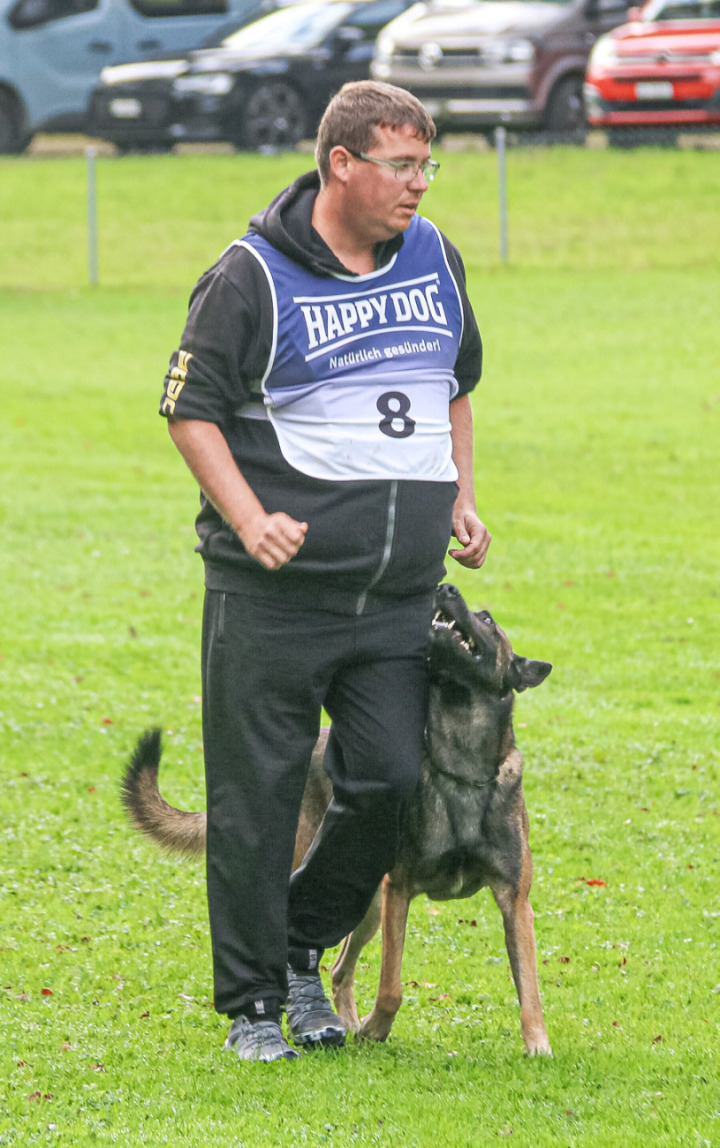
(443, 621)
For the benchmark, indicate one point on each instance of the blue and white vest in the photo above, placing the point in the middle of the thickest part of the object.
(360, 375)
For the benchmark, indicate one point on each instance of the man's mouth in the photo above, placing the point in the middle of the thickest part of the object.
(443, 621)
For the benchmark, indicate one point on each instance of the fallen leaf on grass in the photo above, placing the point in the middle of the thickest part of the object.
(656, 1039)
(46, 992)
(595, 881)
(40, 1096)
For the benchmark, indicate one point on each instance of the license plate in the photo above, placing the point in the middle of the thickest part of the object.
(125, 109)
(654, 90)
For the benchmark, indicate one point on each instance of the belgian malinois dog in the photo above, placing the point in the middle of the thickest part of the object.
(466, 826)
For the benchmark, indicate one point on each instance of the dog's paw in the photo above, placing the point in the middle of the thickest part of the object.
(538, 1047)
(375, 1027)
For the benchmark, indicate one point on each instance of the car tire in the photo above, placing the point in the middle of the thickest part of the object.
(12, 138)
(273, 118)
(565, 109)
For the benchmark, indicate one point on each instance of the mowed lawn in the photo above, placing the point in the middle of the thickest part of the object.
(596, 452)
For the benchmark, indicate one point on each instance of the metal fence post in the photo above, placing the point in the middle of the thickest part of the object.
(500, 142)
(92, 236)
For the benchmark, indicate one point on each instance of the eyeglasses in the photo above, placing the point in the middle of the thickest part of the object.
(405, 170)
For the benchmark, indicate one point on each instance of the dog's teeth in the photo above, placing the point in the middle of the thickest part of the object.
(451, 624)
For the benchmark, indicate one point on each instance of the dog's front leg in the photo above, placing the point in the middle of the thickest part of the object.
(395, 902)
(520, 940)
(343, 972)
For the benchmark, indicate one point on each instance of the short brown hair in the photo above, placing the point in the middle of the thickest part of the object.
(358, 108)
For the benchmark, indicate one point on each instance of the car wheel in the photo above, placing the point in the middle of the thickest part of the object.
(565, 109)
(274, 117)
(12, 139)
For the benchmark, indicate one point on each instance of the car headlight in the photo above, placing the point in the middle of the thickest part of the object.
(604, 54)
(715, 58)
(499, 51)
(211, 84)
(384, 48)
(382, 57)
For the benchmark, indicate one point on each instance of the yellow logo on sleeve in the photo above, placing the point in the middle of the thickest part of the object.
(176, 382)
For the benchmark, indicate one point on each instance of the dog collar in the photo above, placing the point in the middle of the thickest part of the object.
(460, 780)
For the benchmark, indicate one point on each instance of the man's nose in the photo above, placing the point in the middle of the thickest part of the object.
(418, 181)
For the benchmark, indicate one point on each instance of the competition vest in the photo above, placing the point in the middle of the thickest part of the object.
(361, 371)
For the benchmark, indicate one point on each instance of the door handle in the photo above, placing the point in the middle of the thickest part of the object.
(99, 46)
(149, 45)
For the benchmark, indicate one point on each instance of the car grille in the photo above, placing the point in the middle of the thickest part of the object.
(496, 92)
(447, 58)
(673, 77)
(643, 59)
(656, 105)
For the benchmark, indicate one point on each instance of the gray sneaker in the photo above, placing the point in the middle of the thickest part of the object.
(311, 1019)
(262, 1040)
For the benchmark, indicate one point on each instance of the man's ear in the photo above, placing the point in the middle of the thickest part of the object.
(339, 163)
(528, 673)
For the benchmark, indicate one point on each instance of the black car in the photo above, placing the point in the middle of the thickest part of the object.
(263, 87)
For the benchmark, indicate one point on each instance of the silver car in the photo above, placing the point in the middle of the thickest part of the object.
(479, 63)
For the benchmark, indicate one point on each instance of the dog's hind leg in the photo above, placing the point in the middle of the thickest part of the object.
(395, 903)
(520, 940)
(343, 971)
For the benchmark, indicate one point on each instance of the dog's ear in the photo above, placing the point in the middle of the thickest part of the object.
(527, 673)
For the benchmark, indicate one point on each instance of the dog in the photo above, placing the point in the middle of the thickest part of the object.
(466, 826)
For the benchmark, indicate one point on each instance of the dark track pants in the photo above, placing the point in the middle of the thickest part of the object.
(268, 668)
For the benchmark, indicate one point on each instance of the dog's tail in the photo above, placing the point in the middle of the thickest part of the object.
(175, 829)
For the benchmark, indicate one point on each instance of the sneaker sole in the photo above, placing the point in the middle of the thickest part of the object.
(321, 1038)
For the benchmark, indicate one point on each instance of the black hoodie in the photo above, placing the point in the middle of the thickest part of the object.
(366, 540)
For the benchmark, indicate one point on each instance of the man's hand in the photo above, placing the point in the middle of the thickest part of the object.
(474, 538)
(272, 539)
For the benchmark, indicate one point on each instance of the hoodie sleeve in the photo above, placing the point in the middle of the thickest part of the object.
(468, 365)
(224, 346)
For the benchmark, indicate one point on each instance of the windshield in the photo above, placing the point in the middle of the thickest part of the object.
(293, 29)
(662, 10)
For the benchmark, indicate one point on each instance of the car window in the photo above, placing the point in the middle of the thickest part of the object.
(293, 29)
(33, 13)
(682, 10)
(611, 6)
(380, 13)
(180, 7)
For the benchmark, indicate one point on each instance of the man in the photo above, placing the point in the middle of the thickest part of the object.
(320, 398)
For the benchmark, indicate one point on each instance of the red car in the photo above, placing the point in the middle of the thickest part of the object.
(661, 70)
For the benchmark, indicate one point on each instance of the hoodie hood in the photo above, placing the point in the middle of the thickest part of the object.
(286, 223)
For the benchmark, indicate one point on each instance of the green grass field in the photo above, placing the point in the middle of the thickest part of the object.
(597, 430)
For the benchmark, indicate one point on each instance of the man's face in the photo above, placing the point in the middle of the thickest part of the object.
(380, 200)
